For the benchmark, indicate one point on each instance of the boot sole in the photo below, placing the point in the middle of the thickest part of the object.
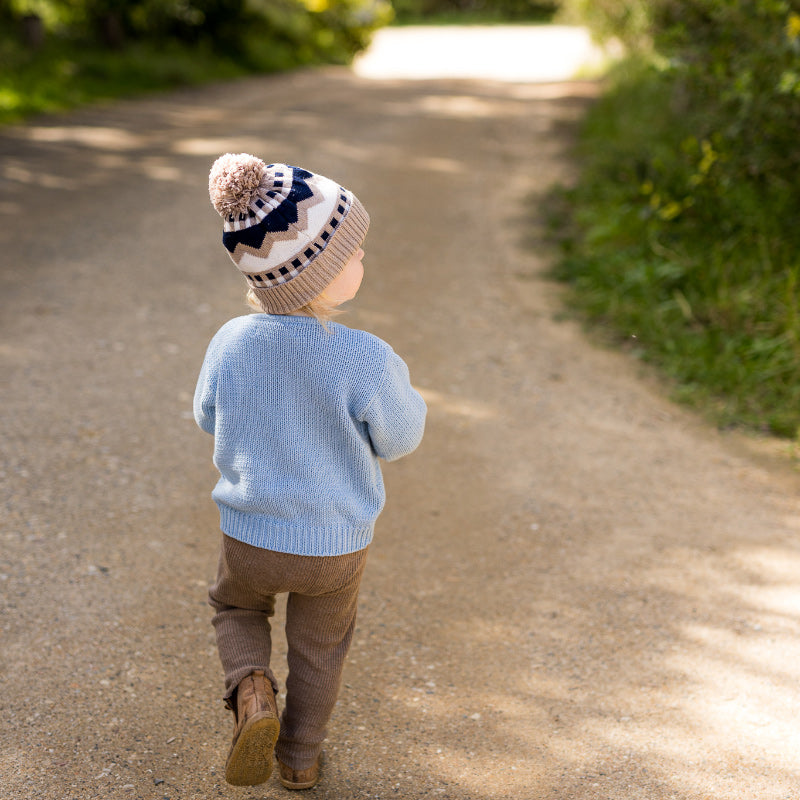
(250, 759)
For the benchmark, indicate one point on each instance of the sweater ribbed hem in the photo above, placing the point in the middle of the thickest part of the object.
(300, 539)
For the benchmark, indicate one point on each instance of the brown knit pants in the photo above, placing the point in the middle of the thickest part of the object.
(320, 620)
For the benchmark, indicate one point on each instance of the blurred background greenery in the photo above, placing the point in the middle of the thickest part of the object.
(680, 238)
(58, 53)
(473, 11)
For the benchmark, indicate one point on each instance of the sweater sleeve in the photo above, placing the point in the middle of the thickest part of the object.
(205, 396)
(395, 416)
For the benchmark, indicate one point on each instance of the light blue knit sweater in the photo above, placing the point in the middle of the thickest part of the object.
(299, 418)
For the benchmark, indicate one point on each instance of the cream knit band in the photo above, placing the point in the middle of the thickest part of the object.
(289, 231)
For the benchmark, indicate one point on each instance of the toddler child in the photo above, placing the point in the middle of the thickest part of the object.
(301, 409)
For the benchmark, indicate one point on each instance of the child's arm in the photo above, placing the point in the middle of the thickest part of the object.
(205, 396)
(395, 416)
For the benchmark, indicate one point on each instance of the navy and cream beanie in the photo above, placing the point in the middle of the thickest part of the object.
(289, 231)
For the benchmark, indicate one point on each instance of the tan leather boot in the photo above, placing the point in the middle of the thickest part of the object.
(298, 778)
(255, 732)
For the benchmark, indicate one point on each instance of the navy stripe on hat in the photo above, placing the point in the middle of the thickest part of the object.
(279, 219)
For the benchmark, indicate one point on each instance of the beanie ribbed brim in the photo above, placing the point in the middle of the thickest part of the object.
(342, 246)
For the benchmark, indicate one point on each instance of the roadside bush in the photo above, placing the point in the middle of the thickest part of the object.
(224, 24)
(103, 48)
(684, 223)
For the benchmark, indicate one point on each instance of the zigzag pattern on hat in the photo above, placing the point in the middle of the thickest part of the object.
(250, 229)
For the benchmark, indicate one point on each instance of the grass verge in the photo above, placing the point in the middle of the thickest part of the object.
(694, 274)
(65, 74)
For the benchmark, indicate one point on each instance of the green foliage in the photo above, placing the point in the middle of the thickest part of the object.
(225, 24)
(681, 235)
(460, 11)
(629, 21)
(103, 48)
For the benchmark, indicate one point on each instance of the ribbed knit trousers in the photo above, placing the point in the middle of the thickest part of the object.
(320, 620)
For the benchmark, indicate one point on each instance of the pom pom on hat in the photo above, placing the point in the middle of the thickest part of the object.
(233, 182)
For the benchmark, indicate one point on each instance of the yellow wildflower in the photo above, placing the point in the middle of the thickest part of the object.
(670, 210)
(708, 159)
(793, 26)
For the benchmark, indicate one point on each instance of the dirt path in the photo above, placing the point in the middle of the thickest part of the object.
(576, 591)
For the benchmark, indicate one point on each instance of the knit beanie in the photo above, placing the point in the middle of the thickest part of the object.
(290, 232)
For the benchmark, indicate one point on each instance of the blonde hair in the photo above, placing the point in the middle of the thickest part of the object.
(318, 307)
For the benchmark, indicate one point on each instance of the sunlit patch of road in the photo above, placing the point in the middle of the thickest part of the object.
(512, 53)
